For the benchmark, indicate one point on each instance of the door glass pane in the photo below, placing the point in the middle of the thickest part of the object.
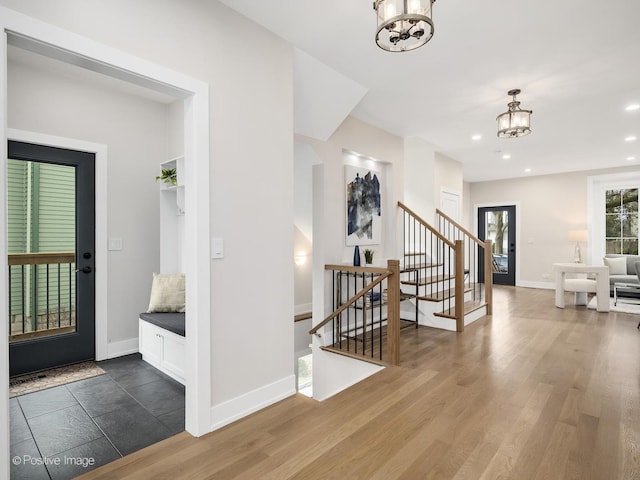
(496, 228)
(41, 231)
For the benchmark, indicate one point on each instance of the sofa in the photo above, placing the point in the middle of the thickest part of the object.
(622, 269)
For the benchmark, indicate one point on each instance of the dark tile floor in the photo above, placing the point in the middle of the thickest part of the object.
(68, 430)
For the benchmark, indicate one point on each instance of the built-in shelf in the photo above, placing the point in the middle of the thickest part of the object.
(172, 210)
(178, 190)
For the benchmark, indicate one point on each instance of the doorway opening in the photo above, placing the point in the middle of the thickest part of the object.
(498, 224)
(51, 261)
(52, 42)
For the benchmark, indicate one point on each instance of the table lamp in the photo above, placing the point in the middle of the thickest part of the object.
(578, 236)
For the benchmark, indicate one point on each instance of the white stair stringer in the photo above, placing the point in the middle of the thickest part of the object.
(427, 310)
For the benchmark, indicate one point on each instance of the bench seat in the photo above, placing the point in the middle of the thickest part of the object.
(174, 322)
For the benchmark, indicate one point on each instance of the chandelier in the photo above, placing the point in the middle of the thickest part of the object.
(515, 122)
(403, 25)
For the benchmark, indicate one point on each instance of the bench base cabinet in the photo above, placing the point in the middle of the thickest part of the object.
(163, 349)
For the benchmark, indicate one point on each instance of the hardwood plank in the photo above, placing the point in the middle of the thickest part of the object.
(531, 392)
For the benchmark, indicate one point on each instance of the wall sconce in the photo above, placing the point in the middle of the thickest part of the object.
(300, 259)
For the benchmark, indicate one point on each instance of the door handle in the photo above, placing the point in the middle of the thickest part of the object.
(84, 270)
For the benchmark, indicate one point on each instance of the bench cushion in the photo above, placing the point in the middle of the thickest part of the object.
(174, 322)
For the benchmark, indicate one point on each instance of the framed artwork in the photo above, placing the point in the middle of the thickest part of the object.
(363, 206)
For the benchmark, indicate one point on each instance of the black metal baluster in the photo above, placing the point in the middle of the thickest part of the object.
(59, 295)
(373, 309)
(414, 242)
(433, 289)
(364, 315)
(349, 312)
(34, 296)
(334, 301)
(10, 299)
(70, 299)
(47, 309)
(380, 290)
(24, 309)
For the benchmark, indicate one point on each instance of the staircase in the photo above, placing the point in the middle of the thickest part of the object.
(437, 283)
(442, 269)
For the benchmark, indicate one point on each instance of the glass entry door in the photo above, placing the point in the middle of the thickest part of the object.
(498, 224)
(51, 237)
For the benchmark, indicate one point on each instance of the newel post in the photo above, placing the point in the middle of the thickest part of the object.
(393, 312)
(459, 289)
(488, 276)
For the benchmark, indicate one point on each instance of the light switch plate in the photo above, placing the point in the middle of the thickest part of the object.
(115, 243)
(217, 248)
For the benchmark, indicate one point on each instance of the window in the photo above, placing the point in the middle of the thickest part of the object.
(621, 211)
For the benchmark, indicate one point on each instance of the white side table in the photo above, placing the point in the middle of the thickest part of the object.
(582, 286)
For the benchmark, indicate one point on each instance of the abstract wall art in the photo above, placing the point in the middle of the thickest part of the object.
(364, 212)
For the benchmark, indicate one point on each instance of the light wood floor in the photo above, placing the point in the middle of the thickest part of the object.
(535, 392)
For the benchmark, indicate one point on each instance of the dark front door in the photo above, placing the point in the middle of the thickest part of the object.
(498, 224)
(51, 225)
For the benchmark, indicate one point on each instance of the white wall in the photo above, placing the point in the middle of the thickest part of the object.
(550, 206)
(304, 159)
(251, 130)
(135, 132)
(302, 273)
(357, 136)
(447, 175)
(426, 173)
(332, 373)
(419, 167)
(467, 207)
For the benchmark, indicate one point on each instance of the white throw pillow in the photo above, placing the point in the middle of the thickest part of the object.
(167, 293)
(617, 265)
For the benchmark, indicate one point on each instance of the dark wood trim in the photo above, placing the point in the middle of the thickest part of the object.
(302, 316)
(44, 258)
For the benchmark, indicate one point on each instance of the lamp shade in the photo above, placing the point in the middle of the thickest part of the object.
(403, 25)
(515, 122)
(578, 235)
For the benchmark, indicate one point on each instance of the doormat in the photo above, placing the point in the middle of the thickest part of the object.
(34, 382)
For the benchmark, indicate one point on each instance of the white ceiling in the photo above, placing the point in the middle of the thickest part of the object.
(576, 61)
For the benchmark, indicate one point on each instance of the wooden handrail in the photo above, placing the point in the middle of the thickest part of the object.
(349, 268)
(460, 227)
(354, 299)
(50, 258)
(426, 225)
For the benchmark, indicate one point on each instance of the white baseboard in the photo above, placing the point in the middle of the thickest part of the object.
(239, 407)
(529, 284)
(123, 347)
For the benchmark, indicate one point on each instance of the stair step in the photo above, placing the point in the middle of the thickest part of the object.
(443, 295)
(428, 280)
(469, 307)
(420, 266)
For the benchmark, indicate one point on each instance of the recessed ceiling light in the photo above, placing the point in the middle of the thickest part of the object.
(631, 159)
(476, 137)
(527, 170)
(630, 138)
(506, 156)
(632, 107)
